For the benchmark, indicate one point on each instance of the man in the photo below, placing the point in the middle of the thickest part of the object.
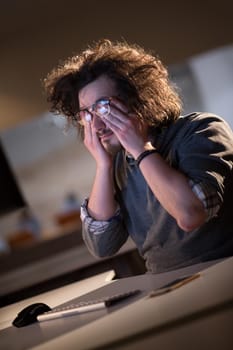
(164, 179)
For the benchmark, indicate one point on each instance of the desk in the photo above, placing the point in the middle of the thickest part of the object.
(173, 320)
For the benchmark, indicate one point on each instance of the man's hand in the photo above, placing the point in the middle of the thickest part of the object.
(95, 147)
(127, 128)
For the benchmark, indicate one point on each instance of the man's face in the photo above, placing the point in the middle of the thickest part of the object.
(101, 87)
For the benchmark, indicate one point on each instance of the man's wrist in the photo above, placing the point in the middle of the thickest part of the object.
(144, 154)
(147, 147)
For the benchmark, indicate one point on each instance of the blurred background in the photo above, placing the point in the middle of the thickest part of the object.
(53, 171)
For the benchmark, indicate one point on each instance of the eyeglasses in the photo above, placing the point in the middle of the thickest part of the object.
(101, 108)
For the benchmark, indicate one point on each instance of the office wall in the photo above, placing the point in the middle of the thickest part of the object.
(213, 73)
(35, 35)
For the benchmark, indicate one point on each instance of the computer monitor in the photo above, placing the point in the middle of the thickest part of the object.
(11, 196)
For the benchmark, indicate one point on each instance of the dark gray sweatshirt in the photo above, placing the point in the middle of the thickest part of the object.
(200, 145)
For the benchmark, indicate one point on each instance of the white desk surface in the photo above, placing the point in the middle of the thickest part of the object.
(170, 320)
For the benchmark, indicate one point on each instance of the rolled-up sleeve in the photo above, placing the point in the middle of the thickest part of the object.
(102, 238)
(210, 198)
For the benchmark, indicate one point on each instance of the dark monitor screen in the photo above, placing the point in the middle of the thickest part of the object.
(11, 197)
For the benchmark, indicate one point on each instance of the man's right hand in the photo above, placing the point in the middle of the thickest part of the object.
(95, 147)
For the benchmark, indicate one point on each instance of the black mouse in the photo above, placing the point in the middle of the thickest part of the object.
(29, 314)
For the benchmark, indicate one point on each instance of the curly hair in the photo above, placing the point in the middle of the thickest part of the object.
(141, 79)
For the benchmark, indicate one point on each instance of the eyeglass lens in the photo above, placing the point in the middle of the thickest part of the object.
(100, 108)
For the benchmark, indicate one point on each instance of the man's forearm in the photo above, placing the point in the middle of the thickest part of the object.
(173, 191)
(102, 204)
